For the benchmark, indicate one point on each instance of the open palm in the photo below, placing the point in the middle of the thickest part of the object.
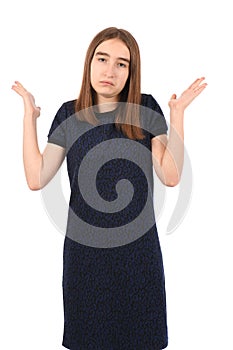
(188, 95)
(28, 99)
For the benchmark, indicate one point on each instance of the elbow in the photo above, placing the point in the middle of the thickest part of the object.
(169, 174)
(34, 182)
(171, 177)
(34, 187)
(171, 181)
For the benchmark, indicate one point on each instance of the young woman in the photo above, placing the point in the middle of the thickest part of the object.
(113, 278)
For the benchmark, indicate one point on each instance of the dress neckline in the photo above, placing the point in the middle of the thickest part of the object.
(107, 113)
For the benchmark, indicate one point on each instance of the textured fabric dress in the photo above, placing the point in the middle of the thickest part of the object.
(113, 277)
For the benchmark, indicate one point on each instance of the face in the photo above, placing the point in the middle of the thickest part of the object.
(110, 70)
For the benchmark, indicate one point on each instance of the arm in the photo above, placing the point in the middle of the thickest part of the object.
(168, 152)
(39, 167)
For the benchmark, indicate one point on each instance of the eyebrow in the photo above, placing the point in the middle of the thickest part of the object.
(100, 53)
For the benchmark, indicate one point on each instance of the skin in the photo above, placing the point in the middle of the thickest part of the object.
(109, 73)
(168, 151)
(109, 70)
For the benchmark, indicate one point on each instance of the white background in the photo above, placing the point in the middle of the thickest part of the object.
(43, 45)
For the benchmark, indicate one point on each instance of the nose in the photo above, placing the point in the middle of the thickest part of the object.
(110, 70)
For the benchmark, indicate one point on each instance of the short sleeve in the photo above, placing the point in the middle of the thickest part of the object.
(57, 132)
(66, 128)
(153, 118)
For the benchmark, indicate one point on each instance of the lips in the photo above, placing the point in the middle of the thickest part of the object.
(106, 82)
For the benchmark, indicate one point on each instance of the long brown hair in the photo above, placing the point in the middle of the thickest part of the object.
(128, 121)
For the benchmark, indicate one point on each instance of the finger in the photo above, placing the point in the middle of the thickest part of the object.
(19, 85)
(197, 90)
(173, 97)
(17, 88)
(196, 83)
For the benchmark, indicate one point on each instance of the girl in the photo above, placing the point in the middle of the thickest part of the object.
(113, 277)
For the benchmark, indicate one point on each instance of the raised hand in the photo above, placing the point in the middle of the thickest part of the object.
(28, 99)
(188, 95)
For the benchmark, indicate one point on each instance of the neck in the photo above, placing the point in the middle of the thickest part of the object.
(105, 104)
(106, 107)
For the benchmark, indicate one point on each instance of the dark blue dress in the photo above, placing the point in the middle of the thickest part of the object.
(113, 277)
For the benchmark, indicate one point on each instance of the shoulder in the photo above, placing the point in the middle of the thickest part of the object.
(147, 100)
(152, 117)
(68, 107)
(66, 110)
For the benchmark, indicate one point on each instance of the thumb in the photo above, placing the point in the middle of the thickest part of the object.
(173, 96)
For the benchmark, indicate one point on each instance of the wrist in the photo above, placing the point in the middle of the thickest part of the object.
(176, 115)
(177, 121)
(29, 117)
(176, 108)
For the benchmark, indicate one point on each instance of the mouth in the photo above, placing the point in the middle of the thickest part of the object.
(106, 82)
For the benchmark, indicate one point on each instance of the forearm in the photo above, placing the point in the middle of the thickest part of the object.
(173, 157)
(32, 157)
(39, 167)
(169, 152)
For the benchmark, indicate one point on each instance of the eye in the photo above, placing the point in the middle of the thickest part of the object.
(122, 65)
(101, 59)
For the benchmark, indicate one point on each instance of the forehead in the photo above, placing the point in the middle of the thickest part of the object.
(114, 47)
